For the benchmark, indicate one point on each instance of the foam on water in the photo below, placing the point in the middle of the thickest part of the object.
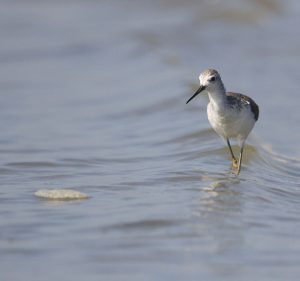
(60, 194)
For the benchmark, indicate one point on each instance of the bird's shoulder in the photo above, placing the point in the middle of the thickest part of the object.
(240, 99)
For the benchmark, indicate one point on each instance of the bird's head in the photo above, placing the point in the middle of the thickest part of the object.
(210, 81)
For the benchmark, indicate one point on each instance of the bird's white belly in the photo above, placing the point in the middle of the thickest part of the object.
(231, 123)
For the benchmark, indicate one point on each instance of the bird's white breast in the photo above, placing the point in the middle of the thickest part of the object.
(229, 122)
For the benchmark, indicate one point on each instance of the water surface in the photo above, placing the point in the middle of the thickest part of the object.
(92, 98)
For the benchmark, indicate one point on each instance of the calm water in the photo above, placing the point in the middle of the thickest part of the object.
(92, 98)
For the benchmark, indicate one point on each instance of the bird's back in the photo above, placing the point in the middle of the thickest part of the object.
(239, 100)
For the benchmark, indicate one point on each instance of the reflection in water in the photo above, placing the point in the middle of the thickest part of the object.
(219, 220)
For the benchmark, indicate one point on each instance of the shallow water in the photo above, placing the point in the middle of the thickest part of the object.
(93, 99)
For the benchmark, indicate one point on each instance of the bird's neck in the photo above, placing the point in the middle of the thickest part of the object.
(217, 97)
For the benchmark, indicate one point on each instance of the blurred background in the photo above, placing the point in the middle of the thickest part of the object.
(92, 97)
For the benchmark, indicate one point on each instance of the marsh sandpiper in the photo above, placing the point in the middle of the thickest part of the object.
(231, 115)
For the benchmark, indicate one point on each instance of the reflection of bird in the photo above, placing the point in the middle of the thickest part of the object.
(231, 115)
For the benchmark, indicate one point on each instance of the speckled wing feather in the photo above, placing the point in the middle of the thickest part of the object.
(237, 99)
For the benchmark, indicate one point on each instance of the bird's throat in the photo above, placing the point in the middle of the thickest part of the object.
(217, 99)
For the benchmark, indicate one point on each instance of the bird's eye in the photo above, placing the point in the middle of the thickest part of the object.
(212, 79)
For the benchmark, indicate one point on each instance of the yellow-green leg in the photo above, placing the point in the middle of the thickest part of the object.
(234, 161)
(240, 159)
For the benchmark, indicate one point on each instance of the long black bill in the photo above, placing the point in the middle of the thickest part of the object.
(201, 88)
